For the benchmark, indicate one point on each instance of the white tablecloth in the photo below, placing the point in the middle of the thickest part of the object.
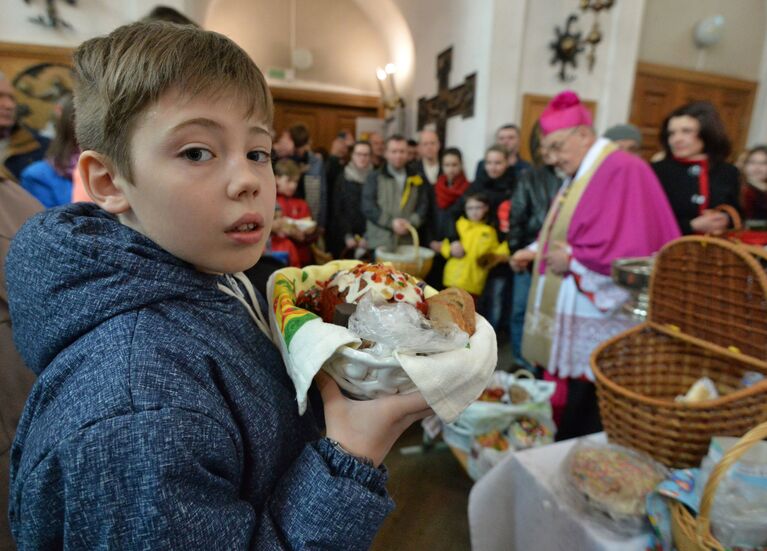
(515, 506)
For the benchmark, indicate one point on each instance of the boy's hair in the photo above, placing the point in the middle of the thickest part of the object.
(119, 75)
(299, 134)
(479, 197)
(498, 149)
(287, 167)
(171, 15)
(454, 151)
(412, 143)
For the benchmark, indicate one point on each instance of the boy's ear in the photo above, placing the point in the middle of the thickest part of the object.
(98, 176)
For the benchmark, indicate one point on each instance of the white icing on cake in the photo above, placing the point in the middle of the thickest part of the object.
(381, 282)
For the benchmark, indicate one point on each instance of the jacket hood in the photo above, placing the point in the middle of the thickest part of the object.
(71, 268)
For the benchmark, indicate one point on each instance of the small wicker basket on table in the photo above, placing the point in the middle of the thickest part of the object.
(707, 318)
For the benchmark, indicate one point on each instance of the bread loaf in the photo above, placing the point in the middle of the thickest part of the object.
(453, 306)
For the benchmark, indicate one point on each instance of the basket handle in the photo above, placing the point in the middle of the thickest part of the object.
(703, 522)
(523, 374)
(732, 212)
(416, 244)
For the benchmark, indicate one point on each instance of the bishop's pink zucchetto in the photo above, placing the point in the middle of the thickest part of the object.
(564, 111)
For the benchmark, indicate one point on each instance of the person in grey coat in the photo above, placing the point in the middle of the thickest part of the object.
(393, 197)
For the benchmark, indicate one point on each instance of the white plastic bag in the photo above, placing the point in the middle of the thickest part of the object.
(740, 504)
(401, 327)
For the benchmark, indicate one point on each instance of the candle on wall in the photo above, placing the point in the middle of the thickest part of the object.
(381, 76)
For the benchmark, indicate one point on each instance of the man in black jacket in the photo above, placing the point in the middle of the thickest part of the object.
(530, 202)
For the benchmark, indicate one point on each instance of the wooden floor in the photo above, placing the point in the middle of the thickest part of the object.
(431, 493)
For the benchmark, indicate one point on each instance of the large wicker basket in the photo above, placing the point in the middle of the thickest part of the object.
(707, 317)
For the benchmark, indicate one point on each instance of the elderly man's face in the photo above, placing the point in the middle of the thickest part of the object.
(7, 105)
(428, 146)
(568, 147)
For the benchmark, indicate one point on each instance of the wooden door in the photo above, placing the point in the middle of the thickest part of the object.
(659, 89)
(324, 114)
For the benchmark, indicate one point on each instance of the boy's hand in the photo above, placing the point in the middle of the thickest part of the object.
(521, 259)
(456, 250)
(436, 246)
(368, 428)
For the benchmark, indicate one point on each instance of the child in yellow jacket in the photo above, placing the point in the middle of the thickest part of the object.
(471, 257)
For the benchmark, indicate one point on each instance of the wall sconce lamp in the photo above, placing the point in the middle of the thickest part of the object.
(708, 31)
(390, 98)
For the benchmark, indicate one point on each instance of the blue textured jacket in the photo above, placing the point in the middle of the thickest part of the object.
(162, 418)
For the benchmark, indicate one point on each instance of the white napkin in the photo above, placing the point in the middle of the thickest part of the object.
(449, 381)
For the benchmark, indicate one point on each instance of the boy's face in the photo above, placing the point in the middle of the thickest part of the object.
(286, 186)
(495, 164)
(475, 210)
(451, 166)
(203, 187)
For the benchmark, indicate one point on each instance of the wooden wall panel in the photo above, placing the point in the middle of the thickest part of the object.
(658, 90)
(324, 114)
(40, 75)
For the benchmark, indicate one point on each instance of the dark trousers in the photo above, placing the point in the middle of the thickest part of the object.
(581, 413)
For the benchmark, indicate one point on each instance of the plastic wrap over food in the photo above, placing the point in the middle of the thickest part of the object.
(401, 327)
(740, 504)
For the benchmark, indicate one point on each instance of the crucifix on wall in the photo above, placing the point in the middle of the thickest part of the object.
(448, 102)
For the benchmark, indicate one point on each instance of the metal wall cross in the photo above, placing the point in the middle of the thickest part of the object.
(448, 102)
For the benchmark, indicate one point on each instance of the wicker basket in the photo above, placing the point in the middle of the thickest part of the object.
(707, 317)
(411, 259)
(694, 534)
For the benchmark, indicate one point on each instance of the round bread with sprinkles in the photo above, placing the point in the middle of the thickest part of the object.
(382, 283)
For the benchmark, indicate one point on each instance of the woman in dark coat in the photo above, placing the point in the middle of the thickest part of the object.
(694, 173)
(347, 197)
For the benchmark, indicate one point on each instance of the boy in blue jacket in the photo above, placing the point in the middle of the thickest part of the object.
(163, 416)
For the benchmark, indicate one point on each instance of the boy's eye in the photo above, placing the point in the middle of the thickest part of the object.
(197, 154)
(259, 156)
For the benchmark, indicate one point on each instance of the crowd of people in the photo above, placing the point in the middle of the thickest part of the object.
(129, 284)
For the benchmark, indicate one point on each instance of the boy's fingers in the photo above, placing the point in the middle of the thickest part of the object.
(417, 416)
(327, 386)
(408, 404)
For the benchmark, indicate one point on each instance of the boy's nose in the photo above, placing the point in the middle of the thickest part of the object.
(244, 179)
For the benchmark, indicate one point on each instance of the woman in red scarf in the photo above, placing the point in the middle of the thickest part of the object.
(694, 173)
